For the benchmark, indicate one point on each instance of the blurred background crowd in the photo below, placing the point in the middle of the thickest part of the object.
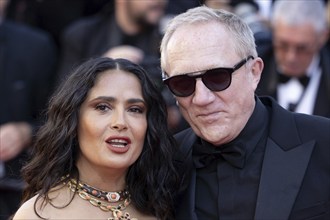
(41, 41)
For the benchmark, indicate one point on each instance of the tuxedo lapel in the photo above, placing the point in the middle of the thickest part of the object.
(285, 162)
(281, 177)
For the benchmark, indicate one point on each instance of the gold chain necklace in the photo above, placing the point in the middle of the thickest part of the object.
(116, 211)
(103, 195)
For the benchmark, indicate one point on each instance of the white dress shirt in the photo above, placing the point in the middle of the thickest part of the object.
(293, 92)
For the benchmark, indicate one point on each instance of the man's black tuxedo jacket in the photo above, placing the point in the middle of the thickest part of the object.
(295, 176)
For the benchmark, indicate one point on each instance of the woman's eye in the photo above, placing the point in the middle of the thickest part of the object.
(136, 109)
(102, 107)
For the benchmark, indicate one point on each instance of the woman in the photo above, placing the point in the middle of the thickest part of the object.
(105, 151)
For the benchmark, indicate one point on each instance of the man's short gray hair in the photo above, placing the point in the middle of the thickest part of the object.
(300, 12)
(238, 29)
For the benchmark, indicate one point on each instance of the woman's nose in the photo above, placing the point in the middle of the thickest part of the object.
(118, 121)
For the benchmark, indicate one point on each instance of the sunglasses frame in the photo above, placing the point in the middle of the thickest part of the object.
(229, 70)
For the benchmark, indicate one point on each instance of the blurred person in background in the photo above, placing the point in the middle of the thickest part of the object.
(124, 28)
(27, 64)
(297, 67)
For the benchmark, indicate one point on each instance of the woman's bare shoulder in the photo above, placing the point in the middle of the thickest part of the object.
(26, 211)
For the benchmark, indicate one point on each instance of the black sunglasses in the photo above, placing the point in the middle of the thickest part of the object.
(217, 79)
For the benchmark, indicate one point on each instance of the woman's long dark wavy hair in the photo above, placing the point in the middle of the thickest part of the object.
(151, 180)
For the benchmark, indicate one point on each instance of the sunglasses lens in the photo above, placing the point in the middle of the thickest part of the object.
(217, 79)
(181, 85)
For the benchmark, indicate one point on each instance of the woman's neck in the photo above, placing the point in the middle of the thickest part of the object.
(105, 179)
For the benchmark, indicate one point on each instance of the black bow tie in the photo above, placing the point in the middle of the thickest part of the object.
(304, 80)
(233, 153)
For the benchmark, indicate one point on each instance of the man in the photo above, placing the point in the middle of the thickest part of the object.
(124, 29)
(244, 157)
(297, 67)
(27, 63)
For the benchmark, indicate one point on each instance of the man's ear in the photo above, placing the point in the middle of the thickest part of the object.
(323, 38)
(256, 69)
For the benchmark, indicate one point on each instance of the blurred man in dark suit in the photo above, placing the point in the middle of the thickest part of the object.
(124, 28)
(27, 65)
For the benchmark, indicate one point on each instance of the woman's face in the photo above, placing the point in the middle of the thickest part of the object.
(112, 123)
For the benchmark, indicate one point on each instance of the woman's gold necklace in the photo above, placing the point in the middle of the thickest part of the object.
(116, 211)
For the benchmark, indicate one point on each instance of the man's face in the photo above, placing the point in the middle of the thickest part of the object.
(146, 12)
(294, 47)
(217, 117)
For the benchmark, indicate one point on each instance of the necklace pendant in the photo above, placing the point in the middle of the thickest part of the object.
(113, 196)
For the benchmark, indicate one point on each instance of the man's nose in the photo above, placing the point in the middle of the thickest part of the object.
(202, 95)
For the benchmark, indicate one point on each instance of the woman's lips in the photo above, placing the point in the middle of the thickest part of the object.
(118, 144)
